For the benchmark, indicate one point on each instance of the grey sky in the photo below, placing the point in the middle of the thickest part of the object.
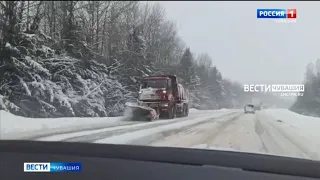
(247, 49)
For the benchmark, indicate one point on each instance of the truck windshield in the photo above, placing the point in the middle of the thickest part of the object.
(161, 83)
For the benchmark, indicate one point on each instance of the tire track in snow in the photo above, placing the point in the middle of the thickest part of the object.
(239, 135)
(272, 142)
(109, 133)
(96, 127)
(279, 142)
(187, 129)
(128, 129)
(259, 131)
(221, 127)
(291, 139)
(58, 133)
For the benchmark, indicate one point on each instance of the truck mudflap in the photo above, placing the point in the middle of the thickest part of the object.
(139, 112)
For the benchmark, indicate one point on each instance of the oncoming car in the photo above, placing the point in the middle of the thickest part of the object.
(258, 108)
(249, 108)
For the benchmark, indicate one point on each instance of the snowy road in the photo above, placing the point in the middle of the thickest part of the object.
(139, 127)
(277, 132)
(247, 133)
(17, 127)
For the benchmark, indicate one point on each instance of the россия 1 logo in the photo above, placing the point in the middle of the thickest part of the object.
(280, 15)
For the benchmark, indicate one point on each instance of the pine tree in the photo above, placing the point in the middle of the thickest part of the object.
(187, 68)
(216, 88)
(310, 101)
(191, 79)
(136, 64)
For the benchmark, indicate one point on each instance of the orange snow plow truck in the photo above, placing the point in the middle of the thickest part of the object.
(160, 97)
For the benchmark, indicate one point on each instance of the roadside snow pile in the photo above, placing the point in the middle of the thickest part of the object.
(296, 121)
(17, 127)
(193, 110)
(305, 128)
(224, 109)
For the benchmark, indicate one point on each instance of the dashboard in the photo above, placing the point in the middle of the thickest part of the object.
(127, 162)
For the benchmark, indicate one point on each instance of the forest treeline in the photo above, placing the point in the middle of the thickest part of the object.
(85, 58)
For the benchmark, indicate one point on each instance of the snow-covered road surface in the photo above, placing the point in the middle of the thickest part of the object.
(254, 133)
(16, 127)
(272, 131)
(111, 132)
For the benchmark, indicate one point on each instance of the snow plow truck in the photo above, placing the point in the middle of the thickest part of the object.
(160, 97)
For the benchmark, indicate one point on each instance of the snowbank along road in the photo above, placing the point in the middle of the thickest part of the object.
(278, 132)
(16, 127)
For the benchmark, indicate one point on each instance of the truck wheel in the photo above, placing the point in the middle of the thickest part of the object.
(182, 114)
(171, 112)
(187, 111)
(184, 111)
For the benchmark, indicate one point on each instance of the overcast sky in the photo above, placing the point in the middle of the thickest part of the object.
(247, 49)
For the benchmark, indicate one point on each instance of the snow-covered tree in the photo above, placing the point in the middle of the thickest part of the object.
(309, 103)
(85, 58)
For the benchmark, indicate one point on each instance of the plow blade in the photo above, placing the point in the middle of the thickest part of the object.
(138, 112)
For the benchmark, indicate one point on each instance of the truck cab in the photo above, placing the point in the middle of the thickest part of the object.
(164, 94)
(155, 89)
